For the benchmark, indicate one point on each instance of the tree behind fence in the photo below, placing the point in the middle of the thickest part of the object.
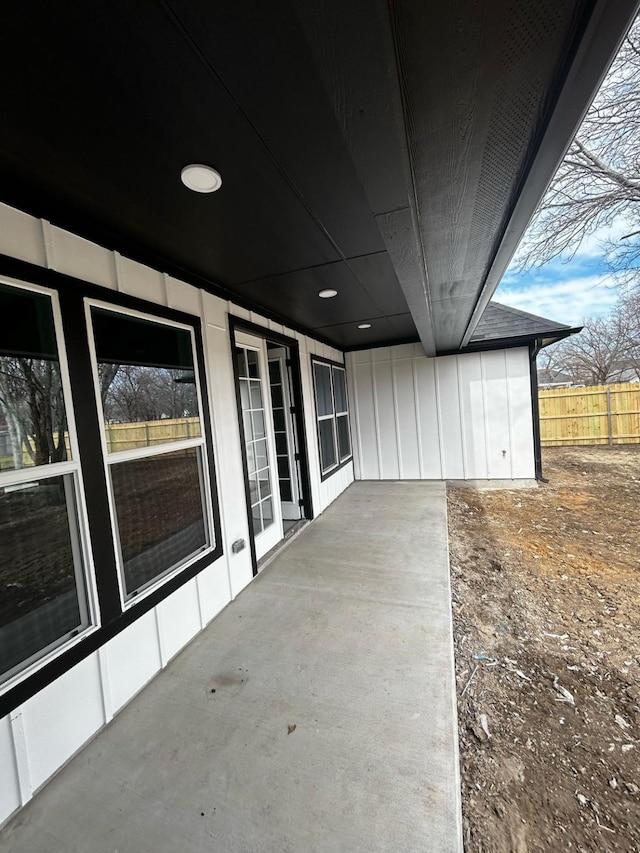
(597, 414)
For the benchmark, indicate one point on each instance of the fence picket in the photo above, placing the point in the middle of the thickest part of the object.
(598, 414)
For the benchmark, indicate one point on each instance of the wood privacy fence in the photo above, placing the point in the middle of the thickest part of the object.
(128, 436)
(147, 433)
(597, 414)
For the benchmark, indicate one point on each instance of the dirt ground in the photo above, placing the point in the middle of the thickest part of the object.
(546, 604)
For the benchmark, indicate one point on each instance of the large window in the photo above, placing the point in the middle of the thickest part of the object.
(44, 601)
(332, 412)
(148, 387)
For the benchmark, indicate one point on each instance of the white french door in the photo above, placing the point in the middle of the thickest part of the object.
(259, 442)
(285, 434)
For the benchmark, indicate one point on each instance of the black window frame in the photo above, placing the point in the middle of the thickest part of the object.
(69, 471)
(333, 366)
(152, 449)
(113, 617)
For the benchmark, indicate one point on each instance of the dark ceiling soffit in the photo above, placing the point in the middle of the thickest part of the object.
(414, 339)
(595, 52)
(103, 238)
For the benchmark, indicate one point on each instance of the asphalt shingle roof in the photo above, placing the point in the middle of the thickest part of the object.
(500, 322)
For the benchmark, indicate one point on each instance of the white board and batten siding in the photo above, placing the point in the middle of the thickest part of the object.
(42, 734)
(458, 417)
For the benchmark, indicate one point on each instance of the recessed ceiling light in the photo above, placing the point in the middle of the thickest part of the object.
(364, 325)
(201, 178)
(327, 294)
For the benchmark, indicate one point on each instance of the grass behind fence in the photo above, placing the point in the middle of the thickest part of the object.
(597, 414)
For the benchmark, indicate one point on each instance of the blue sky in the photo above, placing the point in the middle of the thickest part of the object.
(566, 289)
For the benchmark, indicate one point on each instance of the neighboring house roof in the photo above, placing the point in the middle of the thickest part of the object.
(501, 323)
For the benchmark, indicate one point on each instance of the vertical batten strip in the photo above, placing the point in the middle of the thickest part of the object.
(509, 418)
(376, 420)
(21, 754)
(416, 412)
(105, 683)
(396, 420)
(436, 382)
(49, 245)
(484, 414)
(461, 417)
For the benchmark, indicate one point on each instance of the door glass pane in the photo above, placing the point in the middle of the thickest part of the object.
(254, 497)
(281, 442)
(265, 485)
(241, 362)
(251, 457)
(285, 490)
(324, 400)
(256, 519)
(327, 444)
(33, 420)
(261, 453)
(42, 599)
(267, 512)
(258, 424)
(253, 364)
(248, 426)
(256, 395)
(160, 514)
(340, 389)
(245, 394)
(147, 381)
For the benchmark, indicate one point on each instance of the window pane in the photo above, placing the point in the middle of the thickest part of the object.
(256, 519)
(42, 602)
(33, 420)
(147, 381)
(340, 389)
(327, 444)
(161, 520)
(324, 401)
(344, 439)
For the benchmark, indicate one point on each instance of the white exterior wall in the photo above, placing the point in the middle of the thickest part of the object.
(458, 417)
(41, 735)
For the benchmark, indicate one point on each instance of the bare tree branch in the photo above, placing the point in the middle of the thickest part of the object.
(599, 180)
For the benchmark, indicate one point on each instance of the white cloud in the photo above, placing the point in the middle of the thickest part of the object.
(568, 301)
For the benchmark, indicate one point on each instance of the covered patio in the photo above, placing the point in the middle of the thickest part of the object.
(316, 713)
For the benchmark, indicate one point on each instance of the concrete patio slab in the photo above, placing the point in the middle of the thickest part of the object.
(316, 713)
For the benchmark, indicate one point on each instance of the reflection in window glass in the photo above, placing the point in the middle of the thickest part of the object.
(324, 399)
(43, 600)
(327, 444)
(33, 419)
(158, 531)
(344, 439)
(339, 389)
(147, 381)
